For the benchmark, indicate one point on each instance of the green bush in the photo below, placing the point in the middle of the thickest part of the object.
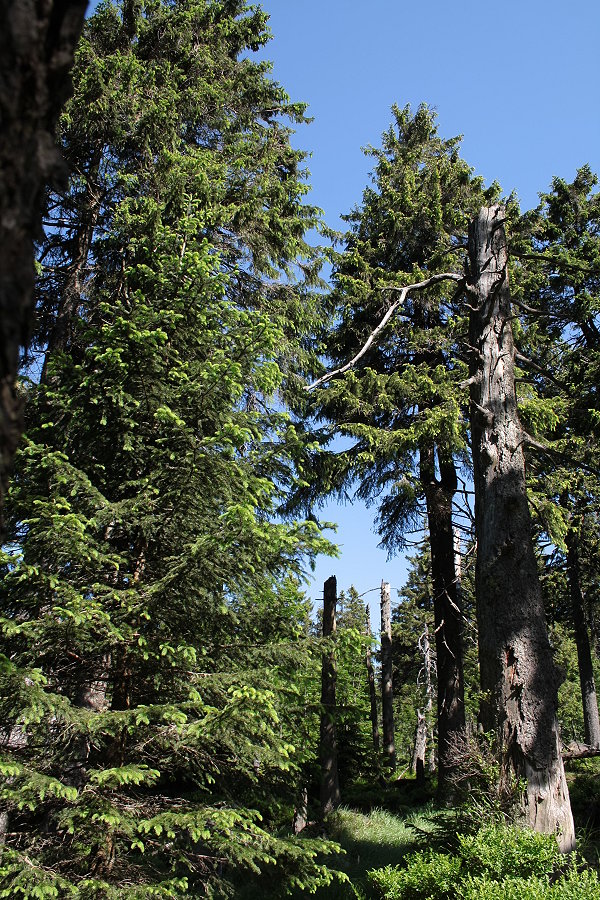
(574, 885)
(427, 876)
(497, 863)
(501, 851)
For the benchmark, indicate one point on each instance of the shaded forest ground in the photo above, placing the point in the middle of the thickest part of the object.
(380, 827)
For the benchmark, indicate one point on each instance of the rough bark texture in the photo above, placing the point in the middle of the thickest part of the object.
(589, 699)
(424, 731)
(300, 820)
(37, 41)
(372, 688)
(387, 688)
(518, 674)
(439, 494)
(330, 785)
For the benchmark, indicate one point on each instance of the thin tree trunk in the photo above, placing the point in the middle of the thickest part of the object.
(72, 288)
(37, 41)
(387, 687)
(439, 495)
(518, 674)
(372, 688)
(330, 785)
(420, 748)
(589, 699)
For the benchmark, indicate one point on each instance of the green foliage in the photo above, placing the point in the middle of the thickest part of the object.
(158, 662)
(427, 876)
(496, 862)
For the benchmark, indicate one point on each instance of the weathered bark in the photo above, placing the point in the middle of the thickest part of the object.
(37, 42)
(372, 688)
(423, 732)
(591, 720)
(330, 785)
(387, 687)
(300, 820)
(439, 495)
(518, 674)
(420, 748)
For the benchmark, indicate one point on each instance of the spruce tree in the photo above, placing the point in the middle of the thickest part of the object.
(151, 617)
(402, 402)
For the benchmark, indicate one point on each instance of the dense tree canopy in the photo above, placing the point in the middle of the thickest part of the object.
(159, 669)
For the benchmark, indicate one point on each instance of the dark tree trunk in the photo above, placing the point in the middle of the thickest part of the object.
(518, 674)
(387, 686)
(591, 719)
(330, 785)
(372, 688)
(439, 495)
(37, 42)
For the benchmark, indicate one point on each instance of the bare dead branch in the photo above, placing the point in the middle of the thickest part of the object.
(404, 291)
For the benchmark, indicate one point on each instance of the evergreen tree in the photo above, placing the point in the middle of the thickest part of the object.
(151, 622)
(402, 402)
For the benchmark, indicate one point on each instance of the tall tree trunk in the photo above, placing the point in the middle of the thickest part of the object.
(37, 41)
(330, 785)
(372, 688)
(439, 495)
(77, 271)
(387, 687)
(518, 674)
(589, 699)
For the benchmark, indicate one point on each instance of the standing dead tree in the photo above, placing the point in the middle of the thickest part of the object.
(387, 686)
(372, 689)
(330, 784)
(518, 673)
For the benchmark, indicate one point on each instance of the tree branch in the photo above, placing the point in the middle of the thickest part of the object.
(443, 276)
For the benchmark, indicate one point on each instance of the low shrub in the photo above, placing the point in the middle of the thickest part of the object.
(501, 851)
(496, 863)
(427, 876)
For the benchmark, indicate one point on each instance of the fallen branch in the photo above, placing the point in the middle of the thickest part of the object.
(580, 751)
(443, 276)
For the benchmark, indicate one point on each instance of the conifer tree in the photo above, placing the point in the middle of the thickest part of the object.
(151, 619)
(401, 403)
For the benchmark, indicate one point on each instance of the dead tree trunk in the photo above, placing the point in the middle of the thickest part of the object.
(330, 785)
(591, 720)
(372, 689)
(37, 41)
(439, 495)
(423, 730)
(387, 691)
(518, 674)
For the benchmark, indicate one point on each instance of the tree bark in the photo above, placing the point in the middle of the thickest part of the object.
(439, 495)
(591, 720)
(37, 42)
(518, 674)
(387, 687)
(372, 689)
(330, 785)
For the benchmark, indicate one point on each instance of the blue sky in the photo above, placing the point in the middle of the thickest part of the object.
(520, 81)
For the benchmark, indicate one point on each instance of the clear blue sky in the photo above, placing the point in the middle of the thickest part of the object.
(520, 80)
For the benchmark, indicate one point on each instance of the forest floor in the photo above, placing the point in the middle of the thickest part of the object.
(379, 827)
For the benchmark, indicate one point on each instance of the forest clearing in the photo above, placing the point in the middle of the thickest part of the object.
(194, 363)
